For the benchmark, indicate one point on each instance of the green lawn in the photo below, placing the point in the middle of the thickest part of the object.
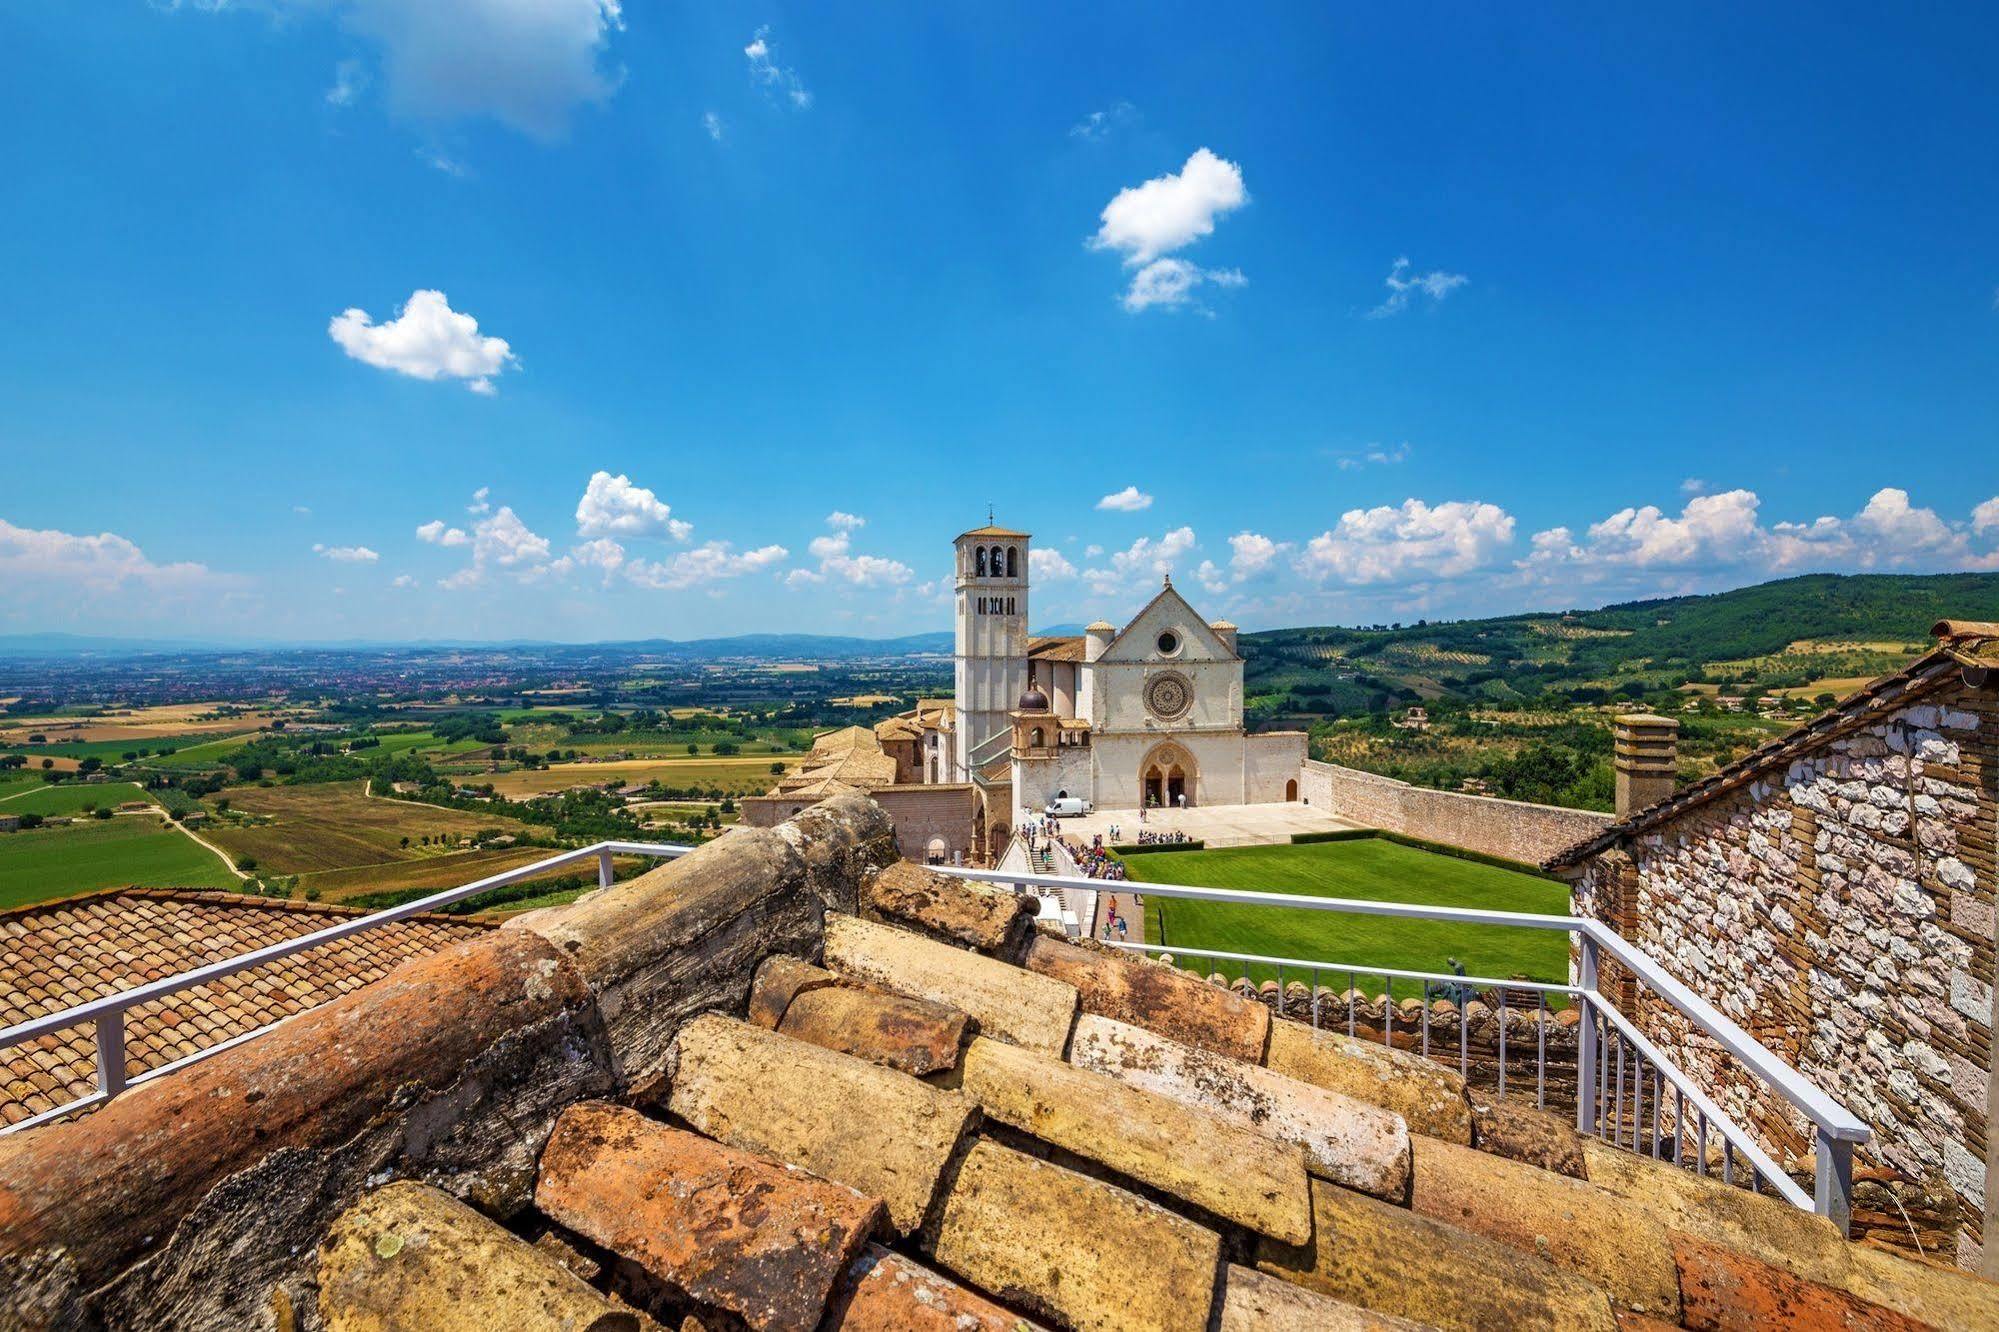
(46, 863)
(1370, 868)
(13, 782)
(69, 798)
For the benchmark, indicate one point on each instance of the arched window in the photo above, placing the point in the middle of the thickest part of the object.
(1012, 570)
(982, 562)
(1034, 738)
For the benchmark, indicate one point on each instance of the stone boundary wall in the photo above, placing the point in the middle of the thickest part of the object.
(1511, 829)
(198, 1200)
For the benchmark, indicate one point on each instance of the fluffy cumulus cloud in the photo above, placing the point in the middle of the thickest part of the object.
(780, 81)
(1144, 561)
(1147, 223)
(1408, 542)
(1129, 500)
(426, 340)
(437, 533)
(1049, 566)
(60, 563)
(839, 565)
(1405, 286)
(614, 506)
(1251, 555)
(1725, 534)
(710, 562)
(345, 554)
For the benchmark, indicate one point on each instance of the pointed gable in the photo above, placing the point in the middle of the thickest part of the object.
(1168, 612)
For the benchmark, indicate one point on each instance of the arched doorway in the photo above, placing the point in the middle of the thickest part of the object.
(1167, 778)
(1291, 789)
(938, 852)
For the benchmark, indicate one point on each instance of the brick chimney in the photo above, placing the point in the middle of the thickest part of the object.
(1645, 752)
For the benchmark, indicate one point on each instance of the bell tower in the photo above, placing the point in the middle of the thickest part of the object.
(991, 664)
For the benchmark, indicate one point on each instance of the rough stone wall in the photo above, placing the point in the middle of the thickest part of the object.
(922, 813)
(1843, 912)
(1513, 829)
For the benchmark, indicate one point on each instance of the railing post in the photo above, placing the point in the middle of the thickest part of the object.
(111, 1053)
(1586, 1051)
(604, 873)
(1832, 1194)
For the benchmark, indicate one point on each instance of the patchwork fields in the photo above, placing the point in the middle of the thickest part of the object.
(334, 826)
(46, 863)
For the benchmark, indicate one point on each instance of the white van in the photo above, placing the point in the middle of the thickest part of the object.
(1067, 807)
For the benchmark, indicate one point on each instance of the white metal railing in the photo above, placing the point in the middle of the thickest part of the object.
(1617, 1065)
(107, 1014)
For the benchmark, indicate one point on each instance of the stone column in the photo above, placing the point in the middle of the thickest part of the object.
(1646, 750)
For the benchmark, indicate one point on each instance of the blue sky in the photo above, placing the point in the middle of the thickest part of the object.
(1690, 300)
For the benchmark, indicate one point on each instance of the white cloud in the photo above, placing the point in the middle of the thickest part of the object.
(1252, 554)
(711, 124)
(1145, 223)
(1099, 125)
(503, 539)
(402, 580)
(1693, 485)
(439, 160)
(302, 510)
(1129, 500)
(838, 564)
(1090, 552)
(1374, 455)
(1144, 560)
(710, 562)
(1170, 211)
(481, 501)
(779, 80)
(603, 554)
(346, 554)
(1403, 285)
(1725, 532)
(615, 506)
(427, 340)
(1170, 283)
(48, 561)
(349, 81)
(1049, 566)
(437, 534)
(1412, 541)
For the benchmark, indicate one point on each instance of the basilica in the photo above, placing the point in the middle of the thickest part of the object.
(1145, 716)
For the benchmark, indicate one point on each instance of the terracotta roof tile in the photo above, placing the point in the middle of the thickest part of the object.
(56, 955)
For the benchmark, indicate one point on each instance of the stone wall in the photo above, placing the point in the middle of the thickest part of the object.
(1512, 829)
(1842, 910)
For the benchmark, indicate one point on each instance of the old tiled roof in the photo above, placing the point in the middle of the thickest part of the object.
(1868, 704)
(1062, 648)
(989, 530)
(788, 1081)
(56, 955)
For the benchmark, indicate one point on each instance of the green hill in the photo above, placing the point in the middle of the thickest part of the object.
(1795, 634)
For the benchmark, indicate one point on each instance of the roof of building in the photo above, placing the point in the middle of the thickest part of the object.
(1960, 643)
(56, 955)
(1068, 647)
(991, 531)
(880, 1100)
(846, 760)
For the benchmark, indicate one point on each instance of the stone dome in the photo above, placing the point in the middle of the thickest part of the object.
(1033, 700)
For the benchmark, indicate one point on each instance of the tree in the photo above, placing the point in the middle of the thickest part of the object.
(693, 748)
(91, 764)
(246, 863)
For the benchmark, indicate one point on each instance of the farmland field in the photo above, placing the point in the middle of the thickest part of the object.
(733, 776)
(69, 798)
(1372, 868)
(333, 826)
(204, 754)
(433, 873)
(13, 783)
(46, 863)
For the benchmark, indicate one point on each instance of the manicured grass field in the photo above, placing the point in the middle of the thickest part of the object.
(69, 798)
(1370, 868)
(47, 863)
(333, 826)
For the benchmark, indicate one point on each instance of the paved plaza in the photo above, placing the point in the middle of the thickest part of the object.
(1216, 825)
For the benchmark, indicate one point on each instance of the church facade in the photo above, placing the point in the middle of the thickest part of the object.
(1149, 715)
